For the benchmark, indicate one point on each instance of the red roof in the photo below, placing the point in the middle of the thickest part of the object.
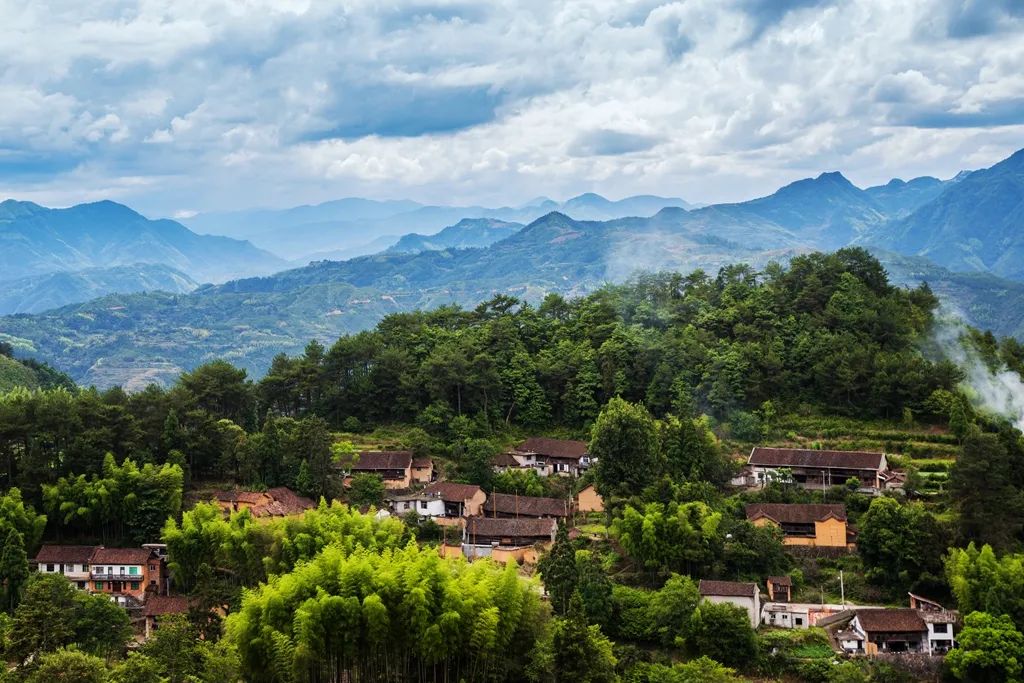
(157, 605)
(451, 492)
(802, 457)
(65, 554)
(121, 556)
(553, 448)
(796, 513)
(728, 588)
(383, 460)
(781, 580)
(422, 463)
(285, 502)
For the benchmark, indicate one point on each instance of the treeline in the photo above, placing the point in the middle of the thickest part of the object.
(827, 331)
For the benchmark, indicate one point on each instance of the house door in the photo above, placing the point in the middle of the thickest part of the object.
(116, 586)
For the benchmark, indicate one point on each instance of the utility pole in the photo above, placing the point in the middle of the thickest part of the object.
(842, 589)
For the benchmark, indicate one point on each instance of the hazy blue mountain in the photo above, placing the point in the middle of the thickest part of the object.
(306, 232)
(53, 290)
(252, 222)
(374, 246)
(974, 224)
(137, 338)
(36, 240)
(899, 198)
(469, 232)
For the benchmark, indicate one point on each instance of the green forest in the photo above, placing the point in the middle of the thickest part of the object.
(670, 379)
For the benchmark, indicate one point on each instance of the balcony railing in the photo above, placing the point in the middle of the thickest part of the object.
(104, 576)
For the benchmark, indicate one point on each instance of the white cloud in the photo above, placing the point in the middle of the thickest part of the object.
(495, 102)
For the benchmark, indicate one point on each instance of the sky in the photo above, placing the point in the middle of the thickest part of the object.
(184, 106)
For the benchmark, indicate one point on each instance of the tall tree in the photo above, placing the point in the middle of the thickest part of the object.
(625, 442)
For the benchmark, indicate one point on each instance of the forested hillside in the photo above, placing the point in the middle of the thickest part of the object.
(669, 378)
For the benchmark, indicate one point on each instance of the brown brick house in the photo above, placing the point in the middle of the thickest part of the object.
(559, 457)
(126, 572)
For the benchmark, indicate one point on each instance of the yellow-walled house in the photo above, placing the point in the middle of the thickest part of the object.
(589, 500)
(818, 525)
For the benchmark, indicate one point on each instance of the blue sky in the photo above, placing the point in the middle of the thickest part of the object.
(198, 105)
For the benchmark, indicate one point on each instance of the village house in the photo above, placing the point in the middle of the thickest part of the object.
(487, 531)
(780, 588)
(880, 630)
(422, 470)
(125, 573)
(394, 467)
(589, 500)
(159, 606)
(279, 501)
(560, 457)
(813, 469)
(743, 595)
(817, 525)
(70, 560)
(502, 462)
(459, 500)
(426, 505)
(510, 505)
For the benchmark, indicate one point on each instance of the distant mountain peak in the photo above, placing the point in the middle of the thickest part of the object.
(834, 177)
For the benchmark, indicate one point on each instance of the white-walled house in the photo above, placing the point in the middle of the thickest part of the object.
(743, 595)
(70, 560)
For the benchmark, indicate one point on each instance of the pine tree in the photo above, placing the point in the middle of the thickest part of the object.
(558, 570)
(13, 567)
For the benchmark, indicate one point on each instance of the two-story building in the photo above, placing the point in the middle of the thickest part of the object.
(126, 572)
(814, 469)
(886, 630)
(553, 457)
(70, 560)
(423, 470)
(818, 525)
(459, 500)
(394, 467)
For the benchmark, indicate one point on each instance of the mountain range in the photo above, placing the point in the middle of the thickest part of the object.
(37, 240)
(137, 338)
(304, 233)
(39, 293)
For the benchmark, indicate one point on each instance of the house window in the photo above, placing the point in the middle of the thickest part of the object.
(798, 621)
(98, 585)
(135, 585)
(152, 567)
(133, 570)
(423, 505)
(81, 585)
(940, 628)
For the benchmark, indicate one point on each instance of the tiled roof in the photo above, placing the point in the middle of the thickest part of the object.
(157, 605)
(285, 502)
(902, 620)
(65, 554)
(728, 588)
(781, 580)
(525, 506)
(554, 448)
(796, 513)
(511, 528)
(799, 457)
(451, 492)
(383, 460)
(234, 496)
(422, 463)
(504, 460)
(121, 556)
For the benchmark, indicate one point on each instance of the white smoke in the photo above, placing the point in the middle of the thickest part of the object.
(1000, 392)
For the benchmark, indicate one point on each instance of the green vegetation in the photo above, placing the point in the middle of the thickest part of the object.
(670, 379)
